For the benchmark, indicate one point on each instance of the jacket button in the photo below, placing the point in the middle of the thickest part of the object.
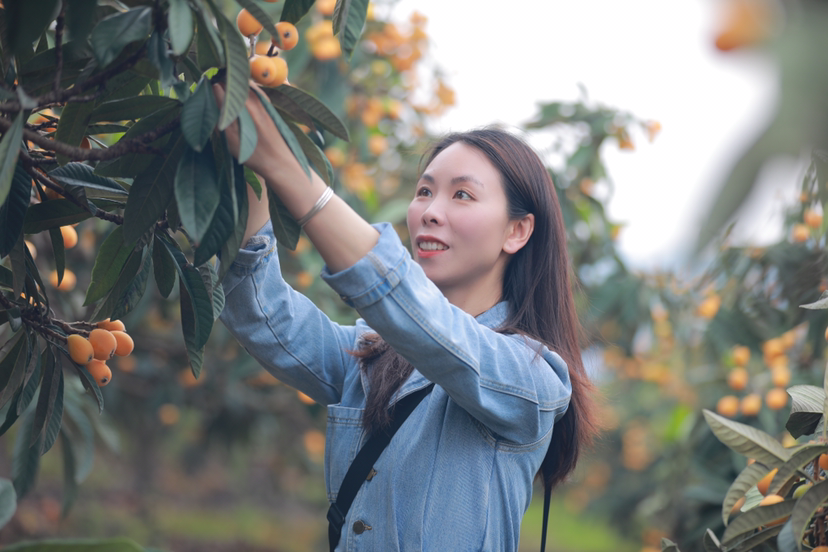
(371, 474)
(360, 527)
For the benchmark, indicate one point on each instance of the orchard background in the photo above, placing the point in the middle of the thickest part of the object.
(118, 192)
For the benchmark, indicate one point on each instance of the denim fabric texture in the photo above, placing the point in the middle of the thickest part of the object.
(458, 474)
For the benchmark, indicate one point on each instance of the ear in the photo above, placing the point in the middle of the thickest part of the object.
(520, 231)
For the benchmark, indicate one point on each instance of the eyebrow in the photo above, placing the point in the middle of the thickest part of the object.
(456, 180)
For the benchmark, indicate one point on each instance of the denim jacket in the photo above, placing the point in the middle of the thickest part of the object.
(458, 474)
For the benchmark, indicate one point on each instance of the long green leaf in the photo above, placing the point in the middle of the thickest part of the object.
(164, 269)
(294, 10)
(82, 175)
(209, 50)
(231, 247)
(348, 21)
(238, 72)
(755, 540)
(197, 192)
(117, 293)
(14, 367)
(70, 484)
(821, 303)
(199, 115)
(21, 401)
(88, 383)
(26, 458)
(74, 119)
(180, 21)
(59, 251)
(289, 96)
(113, 33)
(131, 108)
(805, 508)
(83, 438)
(151, 193)
(189, 326)
(285, 131)
(806, 409)
(315, 155)
(13, 210)
(285, 227)
(248, 137)
(49, 404)
(8, 501)
(112, 256)
(222, 225)
(803, 456)
(25, 21)
(51, 214)
(757, 517)
(78, 22)
(9, 150)
(135, 289)
(747, 440)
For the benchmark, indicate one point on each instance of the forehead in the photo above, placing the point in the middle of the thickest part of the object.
(461, 159)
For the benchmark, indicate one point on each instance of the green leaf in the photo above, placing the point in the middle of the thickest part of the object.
(209, 49)
(51, 214)
(189, 322)
(74, 120)
(25, 22)
(200, 115)
(123, 292)
(747, 440)
(200, 321)
(247, 136)
(260, 15)
(70, 484)
(223, 223)
(12, 362)
(76, 545)
(88, 382)
(294, 10)
(49, 404)
(113, 33)
(231, 247)
(59, 250)
(134, 290)
(821, 303)
(158, 55)
(78, 22)
(80, 175)
(805, 508)
(9, 150)
(151, 193)
(164, 269)
(286, 133)
(286, 96)
(285, 227)
(348, 21)
(197, 192)
(33, 379)
(214, 289)
(8, 501)
(668, 546)
(315, 155)
(132, 108)
(26, 458)
(751, 543)
(238, 72)
(803, 456)
(710, 542)
(253, 181)
(111, 258)
(749, 477)
(83, 439)
(752, 519)
(180, 21)
(13, 210)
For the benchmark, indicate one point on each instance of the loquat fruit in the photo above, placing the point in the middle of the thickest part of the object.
(247, 24)
(822, 548)
(336, 156)
(268, 71)
(823, 462)
(288, 35)
(111, 325)
(800, 233)
(728, 406)
(773, 348)
(812, 218)
(738, 506)
(765, 482)
(99, 371)
(773, 499)
(68, 282)
(325, 7)
(103, 342)
(32, 249)
(80, 350)
(124, 343)
(326, 48)
(70, 236)
(751, 404)
(709, 307)
(780, 376)
(776, 398)
(741, 355)
(377, 144)
(169, 414)
(737, 379)
(802, 489)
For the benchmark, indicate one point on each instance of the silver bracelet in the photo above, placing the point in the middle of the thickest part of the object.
(321, 202)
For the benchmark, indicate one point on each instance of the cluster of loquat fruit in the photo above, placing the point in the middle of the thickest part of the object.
(775, 358)
(93, 349)
(266, 66)
(812, 220)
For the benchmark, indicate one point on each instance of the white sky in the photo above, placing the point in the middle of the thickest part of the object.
(652, 58)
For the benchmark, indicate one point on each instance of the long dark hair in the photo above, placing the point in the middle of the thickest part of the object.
(538, 288)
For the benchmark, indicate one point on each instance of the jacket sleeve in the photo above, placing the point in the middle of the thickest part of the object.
(281, 328)
(511, 384)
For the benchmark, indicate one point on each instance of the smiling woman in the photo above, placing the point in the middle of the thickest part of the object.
(479, 326)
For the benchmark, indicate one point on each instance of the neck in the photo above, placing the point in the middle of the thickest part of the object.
(475, 299)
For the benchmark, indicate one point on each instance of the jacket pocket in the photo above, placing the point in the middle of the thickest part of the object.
(343, 440)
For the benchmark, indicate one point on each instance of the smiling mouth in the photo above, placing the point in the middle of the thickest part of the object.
(432, 246)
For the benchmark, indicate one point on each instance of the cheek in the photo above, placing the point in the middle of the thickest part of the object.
(411, 217)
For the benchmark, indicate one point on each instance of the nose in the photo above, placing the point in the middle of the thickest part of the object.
(433, 213)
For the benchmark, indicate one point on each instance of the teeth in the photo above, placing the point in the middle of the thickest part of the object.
(432, 246)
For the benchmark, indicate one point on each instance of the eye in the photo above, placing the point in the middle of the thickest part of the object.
(423, 192)
(462, 194)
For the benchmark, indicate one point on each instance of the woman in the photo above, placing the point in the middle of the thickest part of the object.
(482, 308)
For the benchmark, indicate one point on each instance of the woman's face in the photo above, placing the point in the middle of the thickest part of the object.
(460, 231)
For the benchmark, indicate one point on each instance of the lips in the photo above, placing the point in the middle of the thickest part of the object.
(428, 246)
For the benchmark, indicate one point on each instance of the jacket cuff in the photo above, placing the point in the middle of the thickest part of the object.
(376, 274)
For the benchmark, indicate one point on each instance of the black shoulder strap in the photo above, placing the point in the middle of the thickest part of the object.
(547, 495)
(364, 463)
